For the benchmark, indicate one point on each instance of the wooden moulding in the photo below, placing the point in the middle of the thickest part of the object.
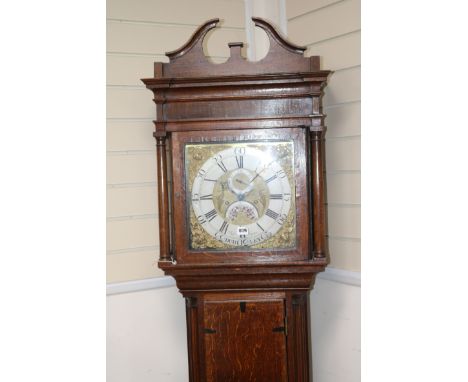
(192, 93)
(191, 317)
(294, 276)
(190, 60)
(281, 90)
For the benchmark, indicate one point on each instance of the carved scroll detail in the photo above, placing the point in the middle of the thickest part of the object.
(190, 61)
(276, 37)
(196, 40)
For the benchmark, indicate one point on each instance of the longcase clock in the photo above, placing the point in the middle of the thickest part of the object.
(241, 196)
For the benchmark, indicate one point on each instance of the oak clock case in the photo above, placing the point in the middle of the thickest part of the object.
(241, 203)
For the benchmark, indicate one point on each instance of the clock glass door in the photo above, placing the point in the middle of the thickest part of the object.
(240, 195)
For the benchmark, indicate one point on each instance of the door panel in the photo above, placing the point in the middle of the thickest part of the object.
(245, 341)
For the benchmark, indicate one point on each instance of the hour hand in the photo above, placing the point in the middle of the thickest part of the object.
(238, 182)
(242, 182)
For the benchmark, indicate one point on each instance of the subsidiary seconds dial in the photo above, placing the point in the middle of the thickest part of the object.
(241, 195)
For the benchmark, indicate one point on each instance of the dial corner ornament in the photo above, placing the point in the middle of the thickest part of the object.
(240, 195)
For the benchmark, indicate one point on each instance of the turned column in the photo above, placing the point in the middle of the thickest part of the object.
(318, 195)
(163, 200)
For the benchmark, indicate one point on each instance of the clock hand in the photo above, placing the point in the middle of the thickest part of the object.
(242, 194)
(257, 174)
(242, 182)
(255, 177)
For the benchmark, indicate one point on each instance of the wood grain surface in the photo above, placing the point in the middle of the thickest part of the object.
(241, 343)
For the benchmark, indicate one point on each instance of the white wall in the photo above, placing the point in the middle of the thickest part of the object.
(336, 332)
(257, 41)
(146, 339)
(331, 29)
(139, 32)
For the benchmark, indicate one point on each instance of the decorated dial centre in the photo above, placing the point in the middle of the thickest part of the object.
(241, 194)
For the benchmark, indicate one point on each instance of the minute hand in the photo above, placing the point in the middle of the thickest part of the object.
(258, 173)
(255, 177)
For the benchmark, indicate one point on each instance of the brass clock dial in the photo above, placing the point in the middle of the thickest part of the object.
(241, 195)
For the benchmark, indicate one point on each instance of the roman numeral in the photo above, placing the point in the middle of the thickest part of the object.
(271, 214)
(211, 215)
(259, 226)
(224, 227)
(271, 179)
(221, 165)
(275, 196)
(281, 174)
(210, 180)
(206, 197)
(240, 161)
